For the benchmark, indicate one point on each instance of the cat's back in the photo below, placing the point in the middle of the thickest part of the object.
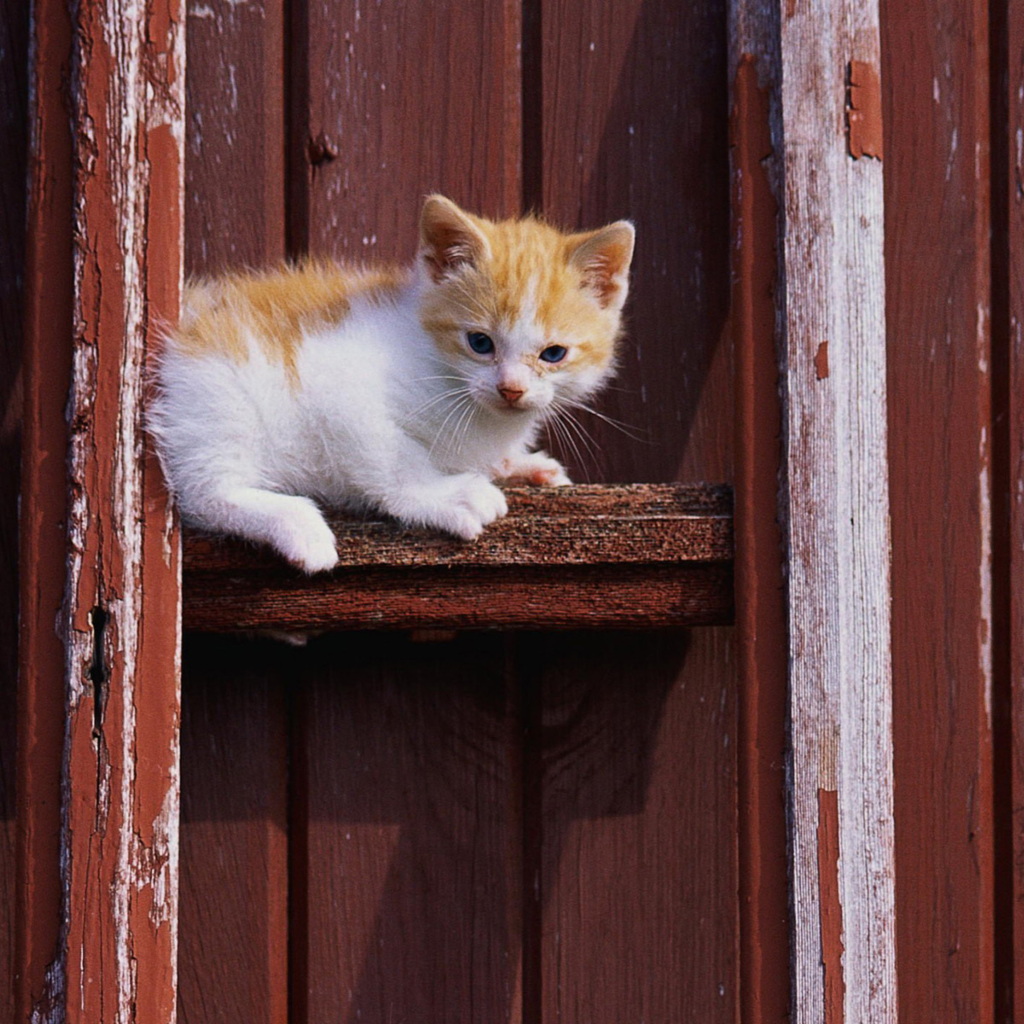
(268, 316)
(235, 386)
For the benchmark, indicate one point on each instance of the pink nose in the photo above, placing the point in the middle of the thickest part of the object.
(511, 395)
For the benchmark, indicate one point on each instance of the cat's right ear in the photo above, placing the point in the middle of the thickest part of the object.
(449, 239)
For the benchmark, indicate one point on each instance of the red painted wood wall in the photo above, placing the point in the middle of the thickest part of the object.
(13, 178)
(545, 826)
(491, 827)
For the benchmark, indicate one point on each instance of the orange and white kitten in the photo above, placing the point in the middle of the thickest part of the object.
(407, 392)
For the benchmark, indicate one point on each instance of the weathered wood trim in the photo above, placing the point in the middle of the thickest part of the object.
(834, 506)
(48, 294)
(119, 622)
(837, 516)
(632, 556)
(938, 91)
(759, 580)
(585, 524)
(1010, 915)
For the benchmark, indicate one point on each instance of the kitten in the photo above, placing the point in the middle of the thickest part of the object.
(406, 392)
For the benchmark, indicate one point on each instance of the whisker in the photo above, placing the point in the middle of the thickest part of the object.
(585, 457)
(623, 428)
(568, 441)
(439, 376)
(433, 401)
(584, 435)
(458, 405)
(462, 428)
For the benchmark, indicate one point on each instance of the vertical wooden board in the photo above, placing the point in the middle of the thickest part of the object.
(395, 101)
(759, 571)
(835, 506)
(936, 96)
(235, 150)
(234, 839)
(120, 622)
(633, 123)
(47, 370)
(637, 873)
(409, 864)
(1010, 894)
(13, 179)
(234, 870)
(406, 885)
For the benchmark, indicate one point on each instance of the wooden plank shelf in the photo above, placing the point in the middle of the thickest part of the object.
(638, 556)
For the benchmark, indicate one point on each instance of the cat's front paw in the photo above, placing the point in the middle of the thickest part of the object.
(461, 505)
(537, 468)
(477, 504)
(305, 539)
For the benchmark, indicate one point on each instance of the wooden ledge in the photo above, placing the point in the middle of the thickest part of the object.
(637, 556)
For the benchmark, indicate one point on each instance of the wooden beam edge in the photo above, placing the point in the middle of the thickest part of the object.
(633, 556)
(578, 525)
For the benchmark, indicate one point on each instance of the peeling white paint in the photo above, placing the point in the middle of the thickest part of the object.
(106, 530)
(985, 663)
(835, 500)
(985, 574)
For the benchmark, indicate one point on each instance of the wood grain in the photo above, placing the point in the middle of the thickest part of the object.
(835, 504)
(412, 99)
(407, 888)
(1007, 133)
(632, 117)
(13, 201)
(633, 123)
(645, 556)
(637, 524)
(235, 141)
(936, 85)
(120, 622)
(759, 571)
(233, 960)
(234, 834)
(48, 312)
(631, 929)
(433, 132)
(612, 597)
(410, 861)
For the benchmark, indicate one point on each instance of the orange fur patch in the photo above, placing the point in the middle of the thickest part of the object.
(276, 308)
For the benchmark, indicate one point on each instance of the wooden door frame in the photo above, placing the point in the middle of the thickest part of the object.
(99, 699)
(98, 752)
(809, 313)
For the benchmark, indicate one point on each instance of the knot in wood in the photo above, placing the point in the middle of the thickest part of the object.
(321, 150)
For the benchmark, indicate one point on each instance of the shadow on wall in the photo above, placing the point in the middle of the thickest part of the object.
(652, 145)
(432, 796)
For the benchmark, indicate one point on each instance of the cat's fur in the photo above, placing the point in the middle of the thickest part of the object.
(329, 385)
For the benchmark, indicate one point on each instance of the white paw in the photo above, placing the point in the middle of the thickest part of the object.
(304, 538)
(537, 468)
(462, 505)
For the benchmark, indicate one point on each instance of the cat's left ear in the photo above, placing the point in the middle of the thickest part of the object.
(449, 239)
(603, 258)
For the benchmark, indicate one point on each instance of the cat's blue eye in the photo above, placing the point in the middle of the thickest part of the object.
(554, 353)
(481, 344)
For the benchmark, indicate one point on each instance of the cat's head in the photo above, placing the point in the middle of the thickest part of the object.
(526, 316)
